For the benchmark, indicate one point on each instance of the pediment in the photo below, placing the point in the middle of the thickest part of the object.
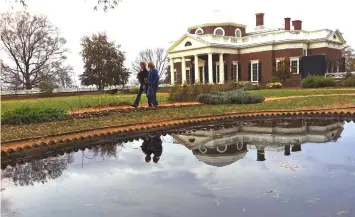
(187, 42)
(336, 36)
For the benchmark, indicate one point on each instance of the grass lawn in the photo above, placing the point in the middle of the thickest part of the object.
(301, 92)
(75, 102)
(43, 129)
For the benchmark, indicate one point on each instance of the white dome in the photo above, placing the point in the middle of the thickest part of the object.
(214, 17)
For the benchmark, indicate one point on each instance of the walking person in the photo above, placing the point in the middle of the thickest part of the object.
(153, 83)
(143, 82)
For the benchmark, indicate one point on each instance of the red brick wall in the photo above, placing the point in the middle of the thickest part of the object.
(267, 59)
(330, 53)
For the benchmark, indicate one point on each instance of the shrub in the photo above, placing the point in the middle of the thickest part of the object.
(348, 82)
(229, 97)
(245, 85)
(27, 115)
(276, 85)
(134, 90)
(46, 87)
(318, 82)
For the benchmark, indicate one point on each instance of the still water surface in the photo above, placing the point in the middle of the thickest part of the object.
(273, 169)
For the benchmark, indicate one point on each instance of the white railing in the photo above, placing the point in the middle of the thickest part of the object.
(338, 75)
(280, 35)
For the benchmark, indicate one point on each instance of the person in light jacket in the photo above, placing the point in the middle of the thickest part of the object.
(153, 83)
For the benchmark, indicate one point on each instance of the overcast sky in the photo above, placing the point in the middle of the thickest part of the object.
(139, 24)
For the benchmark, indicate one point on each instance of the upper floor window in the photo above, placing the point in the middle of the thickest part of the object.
(238, 33)
(218, 31)
(188, 44)
(199, 31)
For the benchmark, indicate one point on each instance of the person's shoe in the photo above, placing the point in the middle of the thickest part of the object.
(134, 106)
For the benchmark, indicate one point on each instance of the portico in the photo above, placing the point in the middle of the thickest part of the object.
(207, 68)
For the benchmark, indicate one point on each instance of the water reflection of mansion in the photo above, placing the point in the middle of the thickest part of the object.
(224, 146)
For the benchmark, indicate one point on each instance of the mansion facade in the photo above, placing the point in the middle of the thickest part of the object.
(220, 52)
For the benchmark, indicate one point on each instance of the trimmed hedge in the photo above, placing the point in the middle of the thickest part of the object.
(230, 97)
(318, 82)
(28, 115)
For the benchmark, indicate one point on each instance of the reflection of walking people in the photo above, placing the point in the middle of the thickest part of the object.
(143, 80)
(153, 82)
(153, 146)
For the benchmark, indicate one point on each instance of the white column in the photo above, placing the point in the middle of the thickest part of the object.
(221, 69)
(210, 69)
(183, 70)
(172, 73)
(197, 71)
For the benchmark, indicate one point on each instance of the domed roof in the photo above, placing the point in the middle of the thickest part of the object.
(220, 160)
(215, 17)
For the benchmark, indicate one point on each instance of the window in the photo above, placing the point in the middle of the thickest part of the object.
(304, 52)
(238, 33)
(334, 37)
(218, 31)
(235, 71)
(201, 74)
(217, 72)
(199, 31)
(188, 44)
(255, 71)
(278, 64)
(188, 75)
(175, 76)
(294, 65)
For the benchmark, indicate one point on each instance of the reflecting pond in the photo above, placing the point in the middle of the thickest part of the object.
(282, 167)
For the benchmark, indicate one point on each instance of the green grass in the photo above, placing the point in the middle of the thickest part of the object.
(75, 102)
(43, 129)
(301, 92)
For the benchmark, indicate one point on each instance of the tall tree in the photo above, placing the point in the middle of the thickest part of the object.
(103, 62)
(158, 56)
(33, 48)
(349, 54)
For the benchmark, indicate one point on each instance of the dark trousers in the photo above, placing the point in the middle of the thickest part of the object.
(138, 97)
(152, 95)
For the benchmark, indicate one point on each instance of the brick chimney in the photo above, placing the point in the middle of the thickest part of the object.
(287, 23)
(259, 19)
(297, 25)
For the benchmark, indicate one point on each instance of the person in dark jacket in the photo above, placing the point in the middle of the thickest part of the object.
(143, 82)
(153, 83)
(157, 148)
(147, 149)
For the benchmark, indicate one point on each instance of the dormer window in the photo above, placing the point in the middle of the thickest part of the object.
(188, 44)
(199, 31)
(218, 31)
(238, 33)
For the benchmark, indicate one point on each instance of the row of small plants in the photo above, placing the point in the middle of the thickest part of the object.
(190, 92)
(321, 81)
(28, 115)
(229, 97)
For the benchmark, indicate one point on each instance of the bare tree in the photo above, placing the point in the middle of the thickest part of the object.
(349, 54)
(33, 47)
(158, 56)
(104, 4)
(282, 70)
